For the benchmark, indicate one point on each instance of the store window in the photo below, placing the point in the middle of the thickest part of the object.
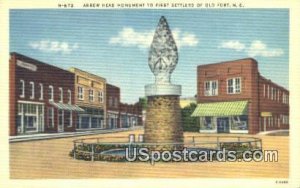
(206, 123)
(96, 122)
(85, 122)
(239, 122)
(30, 116)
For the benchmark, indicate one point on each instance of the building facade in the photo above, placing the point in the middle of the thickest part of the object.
(130, 115)
(112, 105)
(41, 97)
(234, 98)
(90, 91)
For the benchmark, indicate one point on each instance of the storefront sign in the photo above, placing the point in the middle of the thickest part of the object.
(26, 65)
(265, 114)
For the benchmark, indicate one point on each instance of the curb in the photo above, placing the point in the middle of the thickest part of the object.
(36, 137)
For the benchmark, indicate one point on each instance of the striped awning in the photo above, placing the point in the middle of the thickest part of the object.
(235, 108)
(68, 107)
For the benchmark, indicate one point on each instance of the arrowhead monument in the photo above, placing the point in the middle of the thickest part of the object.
(163, 118)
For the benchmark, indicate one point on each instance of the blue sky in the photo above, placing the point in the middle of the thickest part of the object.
(114, 43)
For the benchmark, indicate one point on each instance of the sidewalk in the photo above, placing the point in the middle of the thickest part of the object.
(42, 136)
(280, 132)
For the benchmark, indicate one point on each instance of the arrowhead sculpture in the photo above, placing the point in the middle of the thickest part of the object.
(163, 54)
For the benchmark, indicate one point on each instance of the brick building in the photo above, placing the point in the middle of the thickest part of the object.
(234, 98)
(90, 92)
(41, 97)
(130, 115)
(112, 105)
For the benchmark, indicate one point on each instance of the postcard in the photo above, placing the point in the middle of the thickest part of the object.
(150, 93)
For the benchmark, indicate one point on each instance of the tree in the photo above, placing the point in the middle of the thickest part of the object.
(189, 123)
(143, 102)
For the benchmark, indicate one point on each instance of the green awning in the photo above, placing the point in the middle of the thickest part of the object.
(235, 108)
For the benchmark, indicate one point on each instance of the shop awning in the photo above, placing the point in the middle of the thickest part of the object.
(68, 107)
(235, 108)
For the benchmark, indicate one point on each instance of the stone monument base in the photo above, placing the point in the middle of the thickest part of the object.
(163, 120)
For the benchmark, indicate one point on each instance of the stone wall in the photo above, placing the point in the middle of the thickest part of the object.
(163, 120)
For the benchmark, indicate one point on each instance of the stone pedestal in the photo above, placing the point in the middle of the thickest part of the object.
(163, 120)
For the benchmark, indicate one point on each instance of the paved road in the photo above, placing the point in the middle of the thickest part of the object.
(49, 159)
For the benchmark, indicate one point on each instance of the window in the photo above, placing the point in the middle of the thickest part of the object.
(100, 96)
(91, 95)
(285, 119)
(41, 92)
(285, 98)
(110, 102)
(234, 86)
(50, 93)
(264, 90)
(51, 117)
(116, 102)
(211, 88)
(61, 95)
(273, 93)
(32, 90)
(22, 88)
(68, 118)
(278, 95)
(239, 122)
(70, 97)
(60, 117)
(80, 93)
(268, 91)
(30, 121)
(206, 123)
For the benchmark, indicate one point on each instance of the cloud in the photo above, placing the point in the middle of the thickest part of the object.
(54, 46)
(256, 48)
(233, 44)
(129, 37)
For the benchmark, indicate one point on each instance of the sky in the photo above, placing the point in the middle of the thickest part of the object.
(114, 43)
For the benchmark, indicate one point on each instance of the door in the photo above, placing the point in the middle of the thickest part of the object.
(223, 125)
(111, 123)
(60, 127)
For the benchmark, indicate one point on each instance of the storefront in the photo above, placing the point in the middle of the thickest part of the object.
(223, 117)
(112, 119)
(30, 117)
(128, 120)
(91, 118)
